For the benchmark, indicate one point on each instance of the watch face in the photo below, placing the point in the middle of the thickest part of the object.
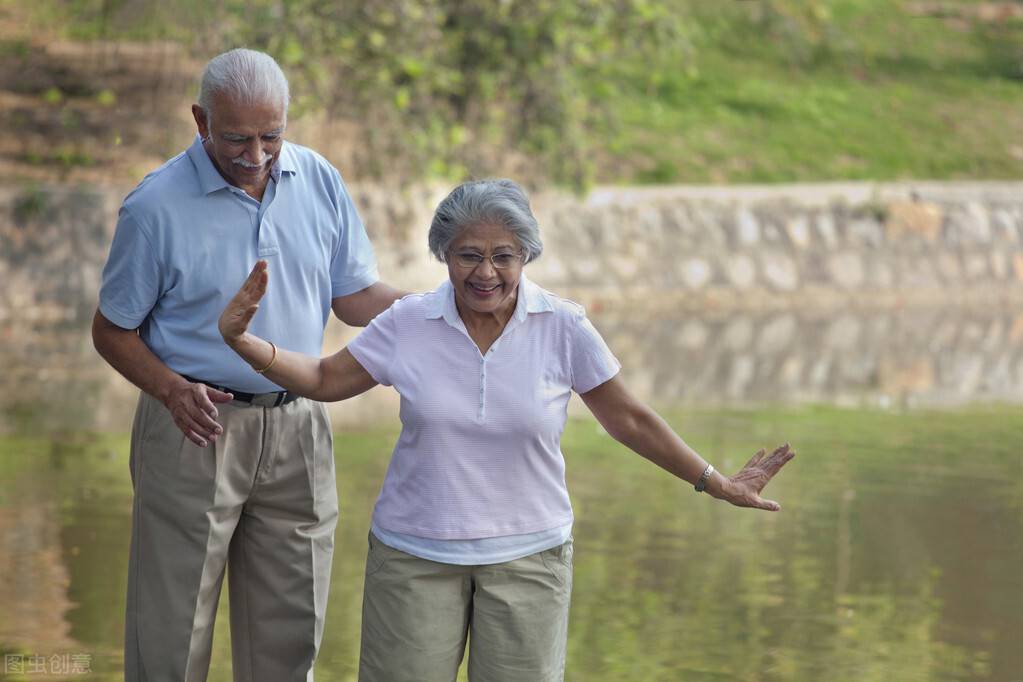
(702, 483)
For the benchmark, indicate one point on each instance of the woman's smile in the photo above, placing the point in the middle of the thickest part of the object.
(483, 290)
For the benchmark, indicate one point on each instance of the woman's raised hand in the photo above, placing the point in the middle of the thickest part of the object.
(238, 313)
(743, 489)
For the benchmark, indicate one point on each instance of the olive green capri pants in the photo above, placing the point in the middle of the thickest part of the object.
(418, 614)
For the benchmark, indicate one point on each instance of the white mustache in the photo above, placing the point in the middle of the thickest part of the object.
(239, 161)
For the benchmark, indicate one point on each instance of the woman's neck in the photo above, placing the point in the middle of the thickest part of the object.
(485, 328)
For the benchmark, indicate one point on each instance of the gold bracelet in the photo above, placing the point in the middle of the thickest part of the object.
(272, 360)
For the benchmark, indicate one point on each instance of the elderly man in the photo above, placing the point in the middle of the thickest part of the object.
(227, 468)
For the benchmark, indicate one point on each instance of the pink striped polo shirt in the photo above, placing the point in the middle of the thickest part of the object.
(479, 454)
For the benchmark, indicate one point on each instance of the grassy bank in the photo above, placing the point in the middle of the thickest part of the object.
(872, 89)
(647, 92)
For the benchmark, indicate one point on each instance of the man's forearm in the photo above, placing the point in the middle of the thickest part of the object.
(359, 309)
(125, 351)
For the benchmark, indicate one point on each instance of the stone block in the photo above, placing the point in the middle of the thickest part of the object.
(1017, 266)
(843, 333)
(827, 230)
(865, 232)
(949, 267)
(777, 334)
(968, 225)
(846, 269)
(693, 335)
(999, 264)
(696, 273)
(975, 264)
(780, 271)
(741, 271)
(881, 275)
(1004, 225)
(738, 334)
(913, 218)
(798, 230)
(740, 375)
(747, 227)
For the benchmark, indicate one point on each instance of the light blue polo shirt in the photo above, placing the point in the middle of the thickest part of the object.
(186, 240)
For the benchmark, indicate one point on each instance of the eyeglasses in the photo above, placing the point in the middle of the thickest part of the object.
(500, 261)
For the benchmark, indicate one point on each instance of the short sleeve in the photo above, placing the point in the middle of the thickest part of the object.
(353, 266)
(374, 347)
(131, 277)
(592, 361)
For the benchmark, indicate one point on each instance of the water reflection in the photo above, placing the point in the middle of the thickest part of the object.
(915, 357)
(911, 357)
(896, 556)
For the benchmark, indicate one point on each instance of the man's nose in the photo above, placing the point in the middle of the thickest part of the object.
(254, 150)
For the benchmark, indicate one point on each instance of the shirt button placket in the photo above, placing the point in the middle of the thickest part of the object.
(483, 383)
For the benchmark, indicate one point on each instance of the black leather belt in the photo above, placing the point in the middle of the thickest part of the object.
(274, 399)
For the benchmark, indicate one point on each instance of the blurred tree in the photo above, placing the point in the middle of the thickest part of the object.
(461, 87)
(444, 88)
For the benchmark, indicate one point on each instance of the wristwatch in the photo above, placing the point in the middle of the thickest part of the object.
(701, 484)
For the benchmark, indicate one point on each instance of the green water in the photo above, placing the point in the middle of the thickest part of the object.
(897, 555)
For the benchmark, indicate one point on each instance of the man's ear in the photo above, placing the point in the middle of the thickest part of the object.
(201, 122)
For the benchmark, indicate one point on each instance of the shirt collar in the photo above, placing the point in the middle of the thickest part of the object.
(531, 299)
(210, 179)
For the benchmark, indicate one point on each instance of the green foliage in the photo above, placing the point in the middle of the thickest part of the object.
(53, 96)
(31, 205)
(449, 88)
(454, 88)
(106, 97)
(625, 90)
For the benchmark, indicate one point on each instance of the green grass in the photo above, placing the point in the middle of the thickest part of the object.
(883, 95)
(757, 91)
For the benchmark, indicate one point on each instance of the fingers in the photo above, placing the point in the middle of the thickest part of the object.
(194, 431)
(205, 404)
(218, 396)
(255, 283)
(257, 270)
(240, 310)
(777, 459)
(195, 414)
(247, 315)
(767, 505)
(755, 459)
(195, 437)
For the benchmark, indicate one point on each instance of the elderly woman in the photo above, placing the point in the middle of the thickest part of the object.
(471, 534)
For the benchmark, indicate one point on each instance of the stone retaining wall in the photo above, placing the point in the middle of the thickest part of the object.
(855, 294)
(662, 250)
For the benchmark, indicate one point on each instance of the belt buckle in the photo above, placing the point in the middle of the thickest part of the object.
(266, 399)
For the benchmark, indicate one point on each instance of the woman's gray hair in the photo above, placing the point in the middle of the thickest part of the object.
(247, 77)
(485, 202)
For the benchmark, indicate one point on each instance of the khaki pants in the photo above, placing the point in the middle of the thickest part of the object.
(261, 500)
(417, 615)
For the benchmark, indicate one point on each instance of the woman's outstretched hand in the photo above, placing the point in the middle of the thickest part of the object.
(743, 489)
(238, 313)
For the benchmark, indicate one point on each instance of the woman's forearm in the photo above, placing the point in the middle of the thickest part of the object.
(337, 377)
(293, 371)
(646, 433)
(639, 428)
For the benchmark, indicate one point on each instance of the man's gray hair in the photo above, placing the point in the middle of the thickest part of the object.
(247, 77)
(485, 202)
